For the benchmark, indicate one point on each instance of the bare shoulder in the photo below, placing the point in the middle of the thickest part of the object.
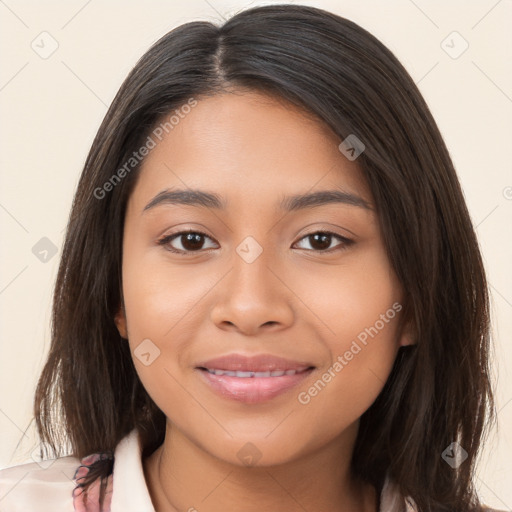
(39, 486)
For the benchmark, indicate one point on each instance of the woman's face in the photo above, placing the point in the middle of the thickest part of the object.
(264, 279)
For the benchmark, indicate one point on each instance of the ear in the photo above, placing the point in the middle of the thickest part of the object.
(407, 336)
(120, 321)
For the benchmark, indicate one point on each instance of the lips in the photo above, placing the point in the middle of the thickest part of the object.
(253, 379)
(252, 390)
(253, 366)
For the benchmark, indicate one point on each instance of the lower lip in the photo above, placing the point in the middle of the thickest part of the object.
(252, 390)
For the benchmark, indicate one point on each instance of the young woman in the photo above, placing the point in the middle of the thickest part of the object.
(271, 296)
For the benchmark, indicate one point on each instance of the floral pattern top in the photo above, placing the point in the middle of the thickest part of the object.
(90, 501)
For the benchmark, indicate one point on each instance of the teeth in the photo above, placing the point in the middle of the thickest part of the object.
(243, 374)
(276, 373)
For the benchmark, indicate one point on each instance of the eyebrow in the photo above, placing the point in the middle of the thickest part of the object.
(195, 197)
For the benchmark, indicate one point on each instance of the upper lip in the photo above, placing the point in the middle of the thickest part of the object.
(258, 363)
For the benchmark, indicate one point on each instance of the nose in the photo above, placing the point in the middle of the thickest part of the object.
(254, 297)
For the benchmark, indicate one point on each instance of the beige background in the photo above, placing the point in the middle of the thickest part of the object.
(51, 108)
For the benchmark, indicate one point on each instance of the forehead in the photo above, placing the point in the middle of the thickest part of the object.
(248, 146)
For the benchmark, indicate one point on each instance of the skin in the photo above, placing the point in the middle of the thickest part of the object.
(295, 300)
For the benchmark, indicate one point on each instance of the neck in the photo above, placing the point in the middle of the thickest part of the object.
(182, 476)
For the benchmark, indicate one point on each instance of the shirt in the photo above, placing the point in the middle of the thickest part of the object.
(48, 486)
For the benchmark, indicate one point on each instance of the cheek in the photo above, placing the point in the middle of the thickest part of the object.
(164, 310)
(160, 296)
(362, 356)
(159, 304)
(349, 300)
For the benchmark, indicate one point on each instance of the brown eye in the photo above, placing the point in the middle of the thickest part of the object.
(320, 241)
(190, 241)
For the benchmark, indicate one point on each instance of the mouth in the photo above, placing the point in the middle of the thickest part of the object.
(256, 364)
(253, 387)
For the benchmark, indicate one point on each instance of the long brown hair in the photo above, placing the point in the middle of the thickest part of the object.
(439, 391)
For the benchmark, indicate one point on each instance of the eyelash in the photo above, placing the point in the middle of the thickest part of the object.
(165, 241)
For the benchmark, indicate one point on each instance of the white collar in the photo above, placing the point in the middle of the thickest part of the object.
(130, 492)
